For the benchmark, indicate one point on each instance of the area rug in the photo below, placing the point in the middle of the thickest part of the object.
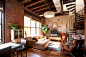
(54, 46)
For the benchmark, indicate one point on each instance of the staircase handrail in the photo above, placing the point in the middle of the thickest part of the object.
(80, 10)
(71, 17)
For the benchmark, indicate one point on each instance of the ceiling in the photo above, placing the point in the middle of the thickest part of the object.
(38, 7)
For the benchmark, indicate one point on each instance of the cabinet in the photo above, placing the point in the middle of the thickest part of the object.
(16, 35)
(54, 38)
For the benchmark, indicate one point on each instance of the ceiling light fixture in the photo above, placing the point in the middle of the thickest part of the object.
(49, 14)
(40, 15)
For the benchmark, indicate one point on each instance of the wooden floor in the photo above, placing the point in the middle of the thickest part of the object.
(46, 53)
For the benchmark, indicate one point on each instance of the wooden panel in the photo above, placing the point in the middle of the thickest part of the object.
(54, 38)
(64, 39)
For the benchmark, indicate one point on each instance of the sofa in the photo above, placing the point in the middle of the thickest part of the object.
(41, 43)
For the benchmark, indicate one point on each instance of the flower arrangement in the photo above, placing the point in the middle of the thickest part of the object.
(14, 26)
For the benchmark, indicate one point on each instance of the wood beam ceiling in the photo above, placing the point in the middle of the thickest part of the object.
(25, 1)
(43, 8)
(39, 6)
(33, 3)
(31, 12)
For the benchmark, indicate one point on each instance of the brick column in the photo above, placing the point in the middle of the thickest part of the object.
(85, 30)
(14, 13)
(42, 22)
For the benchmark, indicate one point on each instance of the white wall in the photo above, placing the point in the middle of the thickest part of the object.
(62, 22)
(79, 5)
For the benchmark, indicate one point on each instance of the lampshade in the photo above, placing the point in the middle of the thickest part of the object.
(49, 14)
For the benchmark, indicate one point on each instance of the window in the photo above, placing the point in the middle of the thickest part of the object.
(0, 26)
(27, 26)
(35, 28)
(31, 27)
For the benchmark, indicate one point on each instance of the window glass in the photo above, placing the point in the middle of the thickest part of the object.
(26, 32)
(32, 31)
(0, 26)
(31, 28)
(0, 17)
(27, 21)
(32, 23)
(38, 31)
(37, 24)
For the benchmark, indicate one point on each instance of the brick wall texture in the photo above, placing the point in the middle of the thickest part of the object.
(42, 22)
(85, 30)
(14, 13)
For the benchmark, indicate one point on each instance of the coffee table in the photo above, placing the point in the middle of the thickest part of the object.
(14, 47)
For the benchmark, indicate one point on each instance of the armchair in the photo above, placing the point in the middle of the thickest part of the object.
(75, 48)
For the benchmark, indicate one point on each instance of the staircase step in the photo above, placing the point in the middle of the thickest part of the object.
(80, 16)
(71, 7)
(71, 32)
(72, 10)
(79, 21)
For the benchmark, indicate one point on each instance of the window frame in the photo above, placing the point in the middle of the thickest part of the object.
(2, 23)
(33, 27)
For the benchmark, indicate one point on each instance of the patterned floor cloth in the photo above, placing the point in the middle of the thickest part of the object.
(55, 46)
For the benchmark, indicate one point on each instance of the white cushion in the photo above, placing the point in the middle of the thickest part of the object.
(76, 37)
(82, 36)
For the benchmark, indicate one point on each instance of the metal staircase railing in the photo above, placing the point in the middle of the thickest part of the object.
(73, 23)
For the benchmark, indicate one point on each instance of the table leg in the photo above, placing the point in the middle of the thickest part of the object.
(26, 53)
(21, 53)
(17, 53)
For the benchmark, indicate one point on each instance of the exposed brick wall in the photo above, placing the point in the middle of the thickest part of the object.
(85, 30)
(42, 22)
(14, 13)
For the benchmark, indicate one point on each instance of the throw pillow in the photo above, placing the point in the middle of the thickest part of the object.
(41, 36)
(37, 37)
(34, 38)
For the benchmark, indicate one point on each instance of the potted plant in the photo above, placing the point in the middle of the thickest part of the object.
(14, 26)
(45, 28)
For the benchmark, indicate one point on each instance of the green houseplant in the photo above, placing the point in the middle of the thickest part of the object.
(45, 28)
(14, 26)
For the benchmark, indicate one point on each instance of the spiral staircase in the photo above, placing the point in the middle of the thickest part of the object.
(75, 22)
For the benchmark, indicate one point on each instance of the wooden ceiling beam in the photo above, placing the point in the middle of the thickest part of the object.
(25, 1)
(42, 11)
(31, 12)
(43, 8)
(39, 6)
(33, 3)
